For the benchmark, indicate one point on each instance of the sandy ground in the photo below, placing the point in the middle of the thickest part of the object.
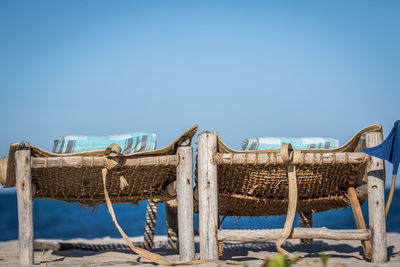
(114, 252)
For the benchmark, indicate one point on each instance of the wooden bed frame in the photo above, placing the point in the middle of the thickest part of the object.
(178, 154)
(373, 239)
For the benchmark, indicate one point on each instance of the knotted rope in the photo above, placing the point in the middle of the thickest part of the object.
(151, 217)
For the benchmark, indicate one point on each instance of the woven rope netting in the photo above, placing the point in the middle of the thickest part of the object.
(84, 185)
(254, 190)
(262, 189)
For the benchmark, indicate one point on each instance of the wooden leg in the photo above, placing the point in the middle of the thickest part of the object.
(359, 218)
(221, 243)
(184, 187)
(208, 199)
(151, 218)
(220, 248)
(171, 214)
(306, 220)
(376, 201)
(25, 206)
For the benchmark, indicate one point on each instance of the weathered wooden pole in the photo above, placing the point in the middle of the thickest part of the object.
(359, 218)
(184, 188)
(25, 206)
(376, 201)
(208, 199)
(260, 235)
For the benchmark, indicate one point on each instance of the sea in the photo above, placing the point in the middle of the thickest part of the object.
(61, 220)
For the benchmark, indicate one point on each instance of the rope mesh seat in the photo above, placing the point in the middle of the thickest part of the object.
(255, 183)
(84, 185)
(77, 177)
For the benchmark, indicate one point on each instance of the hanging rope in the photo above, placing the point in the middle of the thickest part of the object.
(153, 257)
(288, 157)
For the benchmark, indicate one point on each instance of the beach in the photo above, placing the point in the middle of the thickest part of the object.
(114, 252)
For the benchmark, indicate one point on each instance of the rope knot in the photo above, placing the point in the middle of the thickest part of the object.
(111, 155)
(112, 150)
(286, 153)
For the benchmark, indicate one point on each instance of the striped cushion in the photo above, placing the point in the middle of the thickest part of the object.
(261, 143)
(129, 143)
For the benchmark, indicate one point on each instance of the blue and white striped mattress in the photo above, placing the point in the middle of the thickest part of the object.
(129, 143)
(261, 143)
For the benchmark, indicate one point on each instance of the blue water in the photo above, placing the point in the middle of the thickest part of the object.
(61, 220)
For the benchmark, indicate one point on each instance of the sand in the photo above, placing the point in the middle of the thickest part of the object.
(114, 252)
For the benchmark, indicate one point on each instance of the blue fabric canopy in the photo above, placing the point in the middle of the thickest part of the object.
(389, 149)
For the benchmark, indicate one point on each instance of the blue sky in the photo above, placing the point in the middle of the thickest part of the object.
(243, 68)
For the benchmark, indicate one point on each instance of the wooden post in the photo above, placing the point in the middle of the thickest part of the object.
(171, 215)
(150, 227)
(184, 188)
(359, 218)
(208, 199)
(306, 220)
(376, 201)
(25, 206)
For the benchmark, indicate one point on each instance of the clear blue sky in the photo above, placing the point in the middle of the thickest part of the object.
(244, 68)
